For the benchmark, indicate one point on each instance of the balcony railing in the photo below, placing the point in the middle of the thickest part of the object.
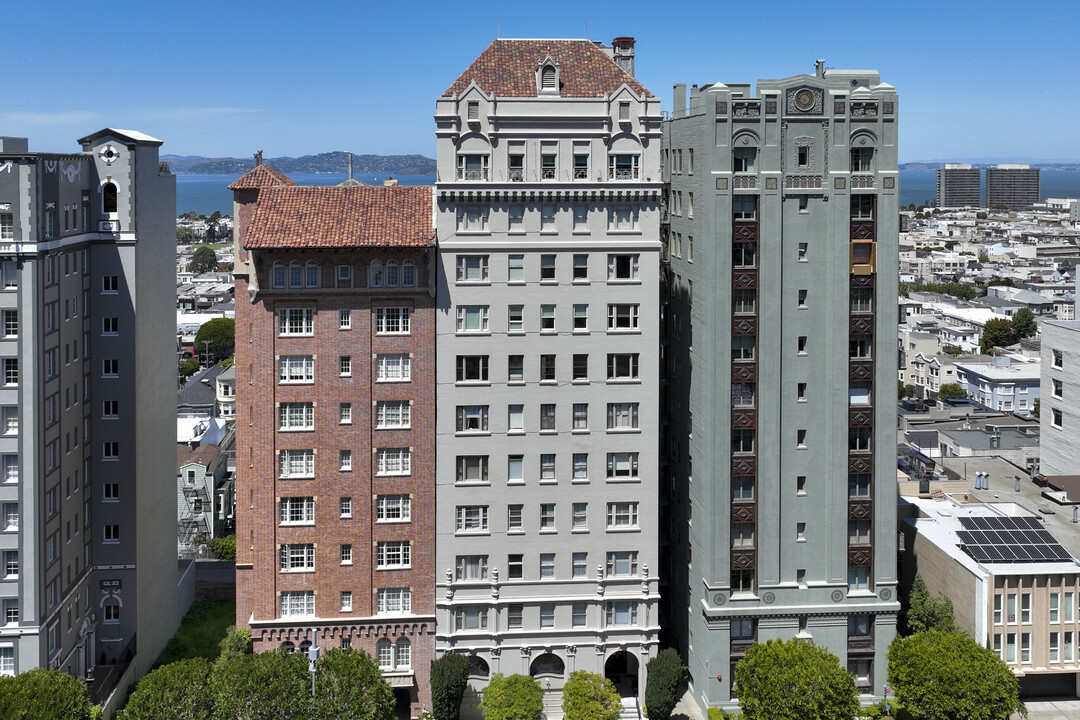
(622, 173)
(862, 182)
(472, 175)
(744, 182)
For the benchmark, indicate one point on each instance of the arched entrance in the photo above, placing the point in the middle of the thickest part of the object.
(547, 664)
(622, 670)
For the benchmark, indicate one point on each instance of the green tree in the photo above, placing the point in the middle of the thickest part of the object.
(348, 684)
(187, 367)
(1036, 409)
(663, 675)
(177, 691)
(184, 235)
(925, 612)
(449, 678)
(512, 697)
(237, 641)
(224, 548)
(996, 333)
(261, 686)
(221, 334)
(793, 680)
(588, 696)
(1023, 324)
(951, 391)
(939, 675)
(44, 695)
(204, 259)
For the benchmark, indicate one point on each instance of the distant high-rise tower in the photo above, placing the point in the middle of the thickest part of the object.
(1012, 186)
(779, 484)
(959, 185)
(87, 241)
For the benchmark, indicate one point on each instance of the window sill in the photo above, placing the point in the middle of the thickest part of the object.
(580, 531)
(480, 333)
(460, 433)
(580, 481)
(517, 332)
(624, 431)
(515, 532)
(472, 282)
(580, 381)
(623, 281)
(296, 430)
(515, 431)
(548, 531)
(581, 331)
(549, 432)
(394, 567)
(473, 383)
(580, 431)
(472, 483)
(623, 529)
(549, 481)
(623, 331)
(515, 482)
(471, 533)
(392, 380)
(631, 479)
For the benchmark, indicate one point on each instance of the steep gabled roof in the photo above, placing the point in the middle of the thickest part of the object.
(261, 176)
(341, 217)
(131, 135)
(507, 68)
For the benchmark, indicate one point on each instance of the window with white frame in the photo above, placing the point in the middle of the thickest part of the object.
(622, 563)
(472, 418)
(9, 420)
(345, 600)
(472, 167)
(392, 320)
(472, 268)
(470, 617)
(298, 603)
(393, 508)
(622, 515)
(622, 464)
(11, 323)
(472, 468)
(296, 369)
(345, 507)
(472, 318)
(393, 414)
(345, 413)
(472, 519)
(296, 558)
(623, 217)
(345, 460)
(11, 371)
(10, 516)
(621, 612)
(11, 564)
(471, 567)
(393, 554)
(623, 316)
(393, 367)
(344, 319)
(296, 463)
(393, 461)
(296, 416)
(393, 600)
(345, 554)
(622, 366)
(622, 416)
(296, 511)
(515, 318)
(296, 321)
(472, 218)
(472, 368)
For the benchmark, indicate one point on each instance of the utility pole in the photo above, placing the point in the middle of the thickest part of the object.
(206, 355)
(313, 655)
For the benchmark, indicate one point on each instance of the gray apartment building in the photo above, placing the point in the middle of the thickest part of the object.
(1012, 186)
(1058, 416)
(959, 185)
(779, 453)
(548, 203)
(86, 246)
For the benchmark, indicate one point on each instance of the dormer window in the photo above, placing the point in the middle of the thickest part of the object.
(548, 79)
(474, 110)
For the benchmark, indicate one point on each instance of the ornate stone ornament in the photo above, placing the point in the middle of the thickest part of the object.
(886, 594)
(719, 599)
(804, 100)
(837, 595)
(721, 183)
(768, 598)
(109, 154)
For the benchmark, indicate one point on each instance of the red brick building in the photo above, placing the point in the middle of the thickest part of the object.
(335, 353)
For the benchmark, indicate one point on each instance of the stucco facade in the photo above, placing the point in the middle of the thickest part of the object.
(86, 240)
(548, 204)
(781, 372)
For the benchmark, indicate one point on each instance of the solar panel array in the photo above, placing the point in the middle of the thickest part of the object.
(1009, 540)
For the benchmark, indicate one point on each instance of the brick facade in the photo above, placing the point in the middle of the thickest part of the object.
(261, 533)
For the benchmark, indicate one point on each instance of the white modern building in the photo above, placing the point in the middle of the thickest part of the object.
(548, 203)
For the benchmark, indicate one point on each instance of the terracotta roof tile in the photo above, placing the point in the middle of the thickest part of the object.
(261, 176)
(341, 217)
(507, 68)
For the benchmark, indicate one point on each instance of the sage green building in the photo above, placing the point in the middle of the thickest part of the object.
(778, 469)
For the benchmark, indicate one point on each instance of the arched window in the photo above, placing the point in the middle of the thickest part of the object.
(278, 274)
(305, 647)
(375, 273)
(108, 198)
(392, 273)
(296, 274)
(478, 667)
(288, 647)
(403, 653)
(408, 274)
(384, 653)
(547, 664)
(313, 274)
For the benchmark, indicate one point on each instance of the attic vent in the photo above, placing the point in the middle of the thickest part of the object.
(547, 78)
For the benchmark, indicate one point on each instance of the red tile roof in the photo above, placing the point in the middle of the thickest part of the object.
(507, 68)
(341, 217)
(261, 176)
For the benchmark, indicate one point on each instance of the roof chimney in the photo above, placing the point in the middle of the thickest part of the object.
(819, 68)
(624, 54)
(350, 166)
(258, 158)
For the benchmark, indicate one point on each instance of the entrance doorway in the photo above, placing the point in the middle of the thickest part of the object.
(622, 670)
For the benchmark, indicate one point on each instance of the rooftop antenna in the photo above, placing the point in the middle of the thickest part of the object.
(258, 158)
(350, 166)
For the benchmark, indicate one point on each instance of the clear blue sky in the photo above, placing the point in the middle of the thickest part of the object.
(976, 79)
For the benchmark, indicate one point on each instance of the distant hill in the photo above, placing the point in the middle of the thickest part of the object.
(330, 162)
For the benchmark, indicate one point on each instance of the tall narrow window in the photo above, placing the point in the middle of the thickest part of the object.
(108, 198)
